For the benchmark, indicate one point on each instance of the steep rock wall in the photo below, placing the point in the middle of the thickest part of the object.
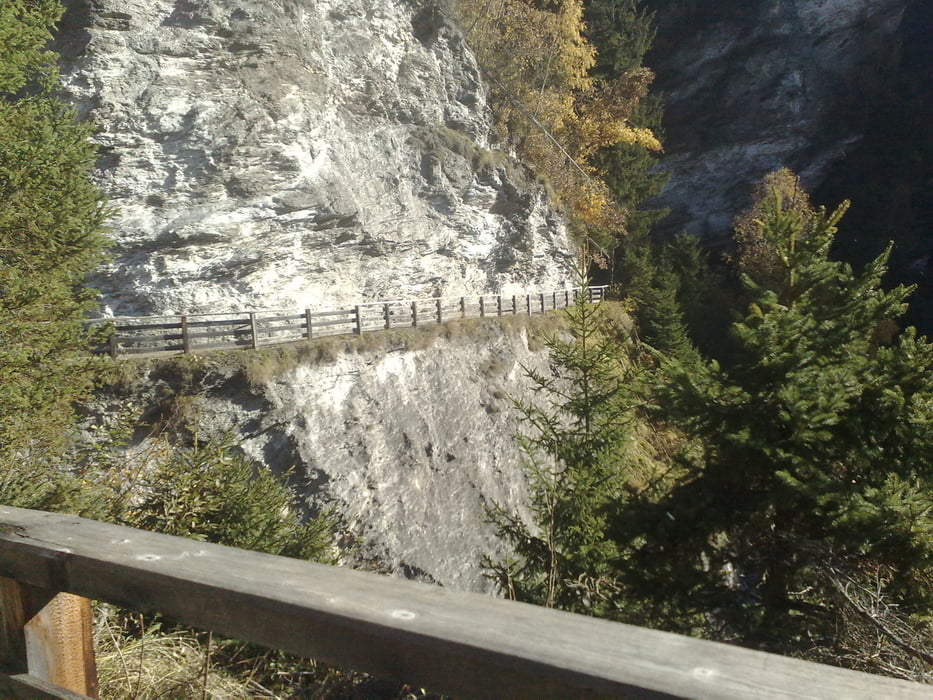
(753, 85)
(298, 153)
(409, 443)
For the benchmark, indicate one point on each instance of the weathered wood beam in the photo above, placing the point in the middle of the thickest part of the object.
(47, 635)
(458, 643)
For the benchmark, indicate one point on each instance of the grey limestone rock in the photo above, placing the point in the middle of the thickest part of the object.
(409, 446)
(298, 153)
(754, 85)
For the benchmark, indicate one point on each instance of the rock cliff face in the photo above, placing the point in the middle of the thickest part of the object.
(298, 153)
(751, 86)
(408, 445)
(313, 153)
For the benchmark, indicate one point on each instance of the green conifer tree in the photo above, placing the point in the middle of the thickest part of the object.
(579, 428)
(623, 33)
(811, 468)
(210, 491)
(51, 220)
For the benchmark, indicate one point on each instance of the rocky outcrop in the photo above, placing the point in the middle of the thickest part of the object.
(298, 153)
(751, 86)
(409, 441)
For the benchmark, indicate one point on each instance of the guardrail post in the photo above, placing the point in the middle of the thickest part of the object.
(47, 636)
(185, 340)
(254, 336)
(140, 330)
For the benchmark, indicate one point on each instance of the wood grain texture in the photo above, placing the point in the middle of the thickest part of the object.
(458, 643)
(48, 635)
(14, 614)
(60, 645)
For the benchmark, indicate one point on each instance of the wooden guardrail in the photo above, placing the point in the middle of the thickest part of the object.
(463, 644)
(201, 332)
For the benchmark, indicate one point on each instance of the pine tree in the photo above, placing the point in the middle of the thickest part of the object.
(579, 427)
(755, 254)
(811, 468)
(622, 32)
(51, 219)
(210, 491)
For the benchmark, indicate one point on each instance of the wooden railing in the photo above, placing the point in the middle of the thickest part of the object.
(463, 644)
(202, 332)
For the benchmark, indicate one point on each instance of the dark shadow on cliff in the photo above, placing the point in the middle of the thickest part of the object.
(73, 36)
(889, 174)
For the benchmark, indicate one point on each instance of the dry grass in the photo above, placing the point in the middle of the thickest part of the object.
(143, 660)
(160, 664)
(438, 140)
(265, 364)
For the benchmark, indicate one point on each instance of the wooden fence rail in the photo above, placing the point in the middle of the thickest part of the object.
(202, 332)
(467, 645)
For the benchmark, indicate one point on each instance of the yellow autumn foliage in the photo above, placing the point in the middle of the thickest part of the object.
(548, 106)
(755, 254)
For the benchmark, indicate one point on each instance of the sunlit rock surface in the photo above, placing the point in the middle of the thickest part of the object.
(298, 153)
(409, 445)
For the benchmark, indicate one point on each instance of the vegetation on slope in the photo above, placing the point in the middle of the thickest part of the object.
(51, 236)
(557, 103)
(580, 441)
(808, 501)
(570, 93)
(796, 515)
